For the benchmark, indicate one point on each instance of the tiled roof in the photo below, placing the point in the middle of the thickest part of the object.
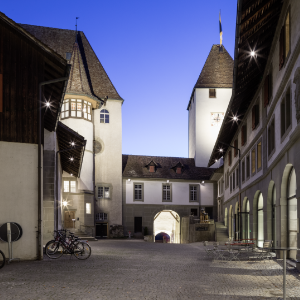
(217, 70)
(78, 82)
(62, 41)
(134, 166)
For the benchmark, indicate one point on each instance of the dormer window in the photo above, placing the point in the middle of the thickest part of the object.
(178, 168)
(151, 166)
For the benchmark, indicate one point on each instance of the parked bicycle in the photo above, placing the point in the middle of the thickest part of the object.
(67, 245)
(2, 259)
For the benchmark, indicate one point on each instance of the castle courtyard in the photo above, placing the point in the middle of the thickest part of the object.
(134, 269)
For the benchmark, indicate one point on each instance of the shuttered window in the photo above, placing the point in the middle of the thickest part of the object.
(244, 134)
(255, 116)
(212, 93)
(243, 171)
(271, 137)
(285, 113)
(259, 157)
(253, 162)
(235, 148)
(233, 180)
(247, 166)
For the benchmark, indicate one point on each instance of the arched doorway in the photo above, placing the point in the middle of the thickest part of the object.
(260, 221)
(236, 221)
(271, 212)
(245, 219)
(162, 237)
(226, 216)
(230, 220)
(292, 213)
(167, 223)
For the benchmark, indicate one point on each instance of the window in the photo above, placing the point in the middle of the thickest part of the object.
(76, 108)
(178, 170)
(104, 116)
(69, 186)
(68, 55)
(138, 192)
(88, 208)
(285, 113)
(212, 93)
(151, 169)
(233, 180)
(244, 134)
(255, 116)
(73, 186)
(253, 162)
(100, 192)
(267, 89)
(101, 217)
(235, 147)
(271, 138)
(230, 178)
(66, 186)
(237, 177)
(259, 158)
(194, 212)
(284, 41)
(103, 192)
(193, 192)
(243, 170)
(166, 192)
(229, 158)
(248, 166)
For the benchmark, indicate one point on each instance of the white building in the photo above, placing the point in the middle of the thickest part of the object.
(208, 104)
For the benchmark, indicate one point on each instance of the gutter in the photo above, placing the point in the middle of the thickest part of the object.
(236, 52)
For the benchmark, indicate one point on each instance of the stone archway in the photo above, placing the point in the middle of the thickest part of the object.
(168, 222)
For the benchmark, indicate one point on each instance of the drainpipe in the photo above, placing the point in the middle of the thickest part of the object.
(40, 252)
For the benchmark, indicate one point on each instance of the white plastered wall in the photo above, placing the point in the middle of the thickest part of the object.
(108, 163)
(19, 195)
(205, 134)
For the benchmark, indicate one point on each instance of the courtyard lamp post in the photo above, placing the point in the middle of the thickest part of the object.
(240, 184)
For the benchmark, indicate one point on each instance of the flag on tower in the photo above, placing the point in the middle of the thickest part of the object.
(221, 31)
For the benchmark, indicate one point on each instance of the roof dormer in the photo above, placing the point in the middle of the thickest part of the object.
(151, 166)
(178, 168)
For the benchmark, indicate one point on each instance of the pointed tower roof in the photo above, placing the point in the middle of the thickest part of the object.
(217, 71)
(78, 82)
(62, 42)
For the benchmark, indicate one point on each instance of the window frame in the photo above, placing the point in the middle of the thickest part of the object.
(271, 139)
(236, 143)
(244, 135)
(243, 170)
(247, 167)
(229, 158)
(261, 157)
(69, 185)
(253, 163)
(105, 113)
(286, 115)
(163, 194)
(103, 187)
(214, 93)
(142, 193)
(76, 101)
(197, 192)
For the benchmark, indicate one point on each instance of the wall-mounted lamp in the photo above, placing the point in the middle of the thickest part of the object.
(65, 203)
(129, 179)
(168, 181)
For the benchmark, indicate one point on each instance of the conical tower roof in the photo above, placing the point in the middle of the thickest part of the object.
(78, 82)
(217, 71)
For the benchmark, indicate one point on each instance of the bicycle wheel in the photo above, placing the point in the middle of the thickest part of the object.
(54, 249)
(82, 250)
(2, 259)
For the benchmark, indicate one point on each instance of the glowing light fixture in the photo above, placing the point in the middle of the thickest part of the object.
(72, 143)
(71, 158)
(48, 104)
(65, 203)
(252, 53)
(221, 150)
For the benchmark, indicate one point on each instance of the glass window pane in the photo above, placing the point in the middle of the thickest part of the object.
(79, 114)
(79, 106)
(62, 115)
(106, 192)
(73, 186)
(253, 161)
(88, 208)
(66, 186)
(66, 114)
(260, 234)
(67, 106)
(89, 117)
(259, 155)
(73, 106)
(106, 118)
(260, 201)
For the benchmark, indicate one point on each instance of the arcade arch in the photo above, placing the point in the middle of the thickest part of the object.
(167, 222)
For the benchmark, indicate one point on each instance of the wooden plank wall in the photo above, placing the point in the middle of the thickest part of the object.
(23, 65)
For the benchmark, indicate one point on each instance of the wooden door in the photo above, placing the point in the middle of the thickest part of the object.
(101, 230)
(69, 215)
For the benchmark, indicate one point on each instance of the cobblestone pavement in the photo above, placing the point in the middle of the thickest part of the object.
(134, 269)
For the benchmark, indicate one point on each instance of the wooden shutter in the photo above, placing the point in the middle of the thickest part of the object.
(266, 91)
(281, 48)
(253, 117)
(1, 93)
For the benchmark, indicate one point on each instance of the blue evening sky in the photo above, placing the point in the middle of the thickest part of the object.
(153, 52)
